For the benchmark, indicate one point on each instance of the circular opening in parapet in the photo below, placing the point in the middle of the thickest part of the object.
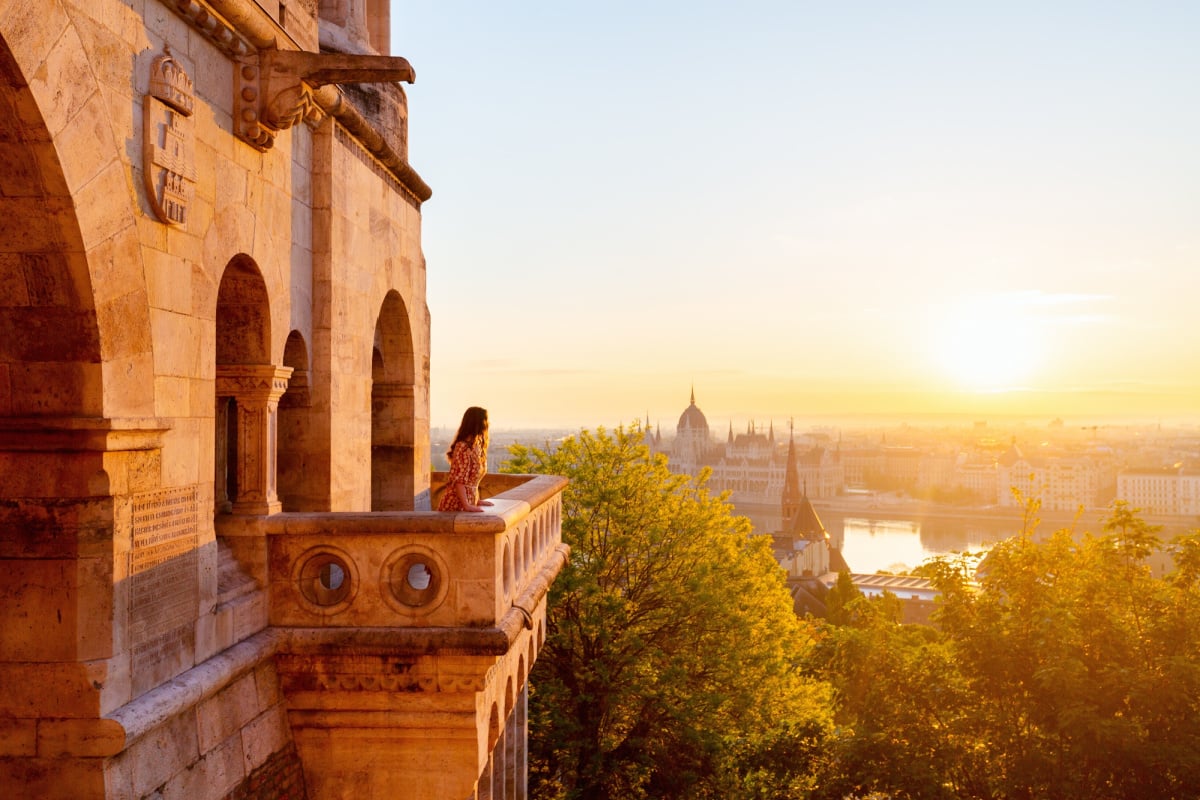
(419, 577)
(332, 576)
(325, 579)
(415, 579)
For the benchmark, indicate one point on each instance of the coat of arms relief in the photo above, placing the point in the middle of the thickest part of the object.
(169, 155)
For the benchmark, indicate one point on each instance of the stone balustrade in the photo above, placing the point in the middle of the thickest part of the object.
(398, 634)
(409, 569)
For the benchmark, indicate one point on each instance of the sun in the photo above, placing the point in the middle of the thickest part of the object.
(988, 344)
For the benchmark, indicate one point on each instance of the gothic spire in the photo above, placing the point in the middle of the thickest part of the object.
(791, 499)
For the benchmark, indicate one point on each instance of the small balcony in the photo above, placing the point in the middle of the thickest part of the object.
(412, 569)
(400, 634)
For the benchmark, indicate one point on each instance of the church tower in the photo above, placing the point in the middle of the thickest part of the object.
(792, 497)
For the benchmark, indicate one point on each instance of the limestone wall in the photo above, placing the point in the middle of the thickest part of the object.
(154, 265)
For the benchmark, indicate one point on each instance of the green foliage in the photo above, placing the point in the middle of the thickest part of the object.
(1068, 671)
(670, 664)
(1059, 667)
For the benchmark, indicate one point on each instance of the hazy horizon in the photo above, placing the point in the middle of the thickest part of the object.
(934, 209)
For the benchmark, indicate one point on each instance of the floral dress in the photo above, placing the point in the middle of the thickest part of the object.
(468, 465)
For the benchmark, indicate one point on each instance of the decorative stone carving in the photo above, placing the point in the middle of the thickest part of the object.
(169, 150)
(223, 36)
(255, 390)
(276, 88)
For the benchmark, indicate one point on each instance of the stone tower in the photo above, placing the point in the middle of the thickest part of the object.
(222, 571)
(692, 440)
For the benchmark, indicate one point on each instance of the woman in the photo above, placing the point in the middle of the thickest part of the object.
(468, 464)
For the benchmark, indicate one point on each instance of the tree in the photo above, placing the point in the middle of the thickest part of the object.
(900, 702)
(1083, 667)
(670, 667)
(1066, 670)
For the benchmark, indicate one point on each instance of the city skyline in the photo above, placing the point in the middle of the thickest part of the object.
(808, 212)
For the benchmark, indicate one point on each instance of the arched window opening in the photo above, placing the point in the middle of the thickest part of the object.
(247, 393)
(393, 411)
(297, 446)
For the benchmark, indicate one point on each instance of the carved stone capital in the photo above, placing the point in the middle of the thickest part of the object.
(264, 383)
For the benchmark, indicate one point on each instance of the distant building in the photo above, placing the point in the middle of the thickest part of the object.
(977, 474)
(813, 559)
(803, 546)
(1062, 483)
(748, 465)
(917, 595)
(1165, 490)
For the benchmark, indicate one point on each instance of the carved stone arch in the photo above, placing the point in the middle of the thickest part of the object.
(248, 390)
(76, 385)
(493, 726)
(243, 314)
(393, 408)
(66, 216)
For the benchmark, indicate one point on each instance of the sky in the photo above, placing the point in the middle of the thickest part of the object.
(808, 210)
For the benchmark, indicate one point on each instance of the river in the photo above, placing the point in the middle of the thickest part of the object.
(874, 542)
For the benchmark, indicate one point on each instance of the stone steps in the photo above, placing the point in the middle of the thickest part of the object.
(232, 581)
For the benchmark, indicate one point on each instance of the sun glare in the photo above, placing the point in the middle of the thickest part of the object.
(988, 344)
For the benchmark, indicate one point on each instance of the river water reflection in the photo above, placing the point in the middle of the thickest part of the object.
(872, 544)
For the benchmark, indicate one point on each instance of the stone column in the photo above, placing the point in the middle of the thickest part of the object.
(522, 737)
(484, 791)
(221, 451)
(511, 757)
(255, 389)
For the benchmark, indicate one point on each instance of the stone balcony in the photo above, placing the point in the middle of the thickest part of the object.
(419, 569)
(397, 634)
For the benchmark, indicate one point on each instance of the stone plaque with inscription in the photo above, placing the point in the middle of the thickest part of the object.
(164, 585)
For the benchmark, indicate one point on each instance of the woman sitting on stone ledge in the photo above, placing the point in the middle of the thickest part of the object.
(468, 463)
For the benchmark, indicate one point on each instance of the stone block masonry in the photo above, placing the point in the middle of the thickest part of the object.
(279, 778)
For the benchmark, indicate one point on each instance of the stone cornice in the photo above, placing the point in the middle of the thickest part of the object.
(334, 103)
(82, 433)
(146, 713)
(242, 30)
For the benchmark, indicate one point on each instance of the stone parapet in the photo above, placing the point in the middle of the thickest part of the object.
(398, 635)
(408, 569)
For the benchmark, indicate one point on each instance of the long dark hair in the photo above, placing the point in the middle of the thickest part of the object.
(474, 425)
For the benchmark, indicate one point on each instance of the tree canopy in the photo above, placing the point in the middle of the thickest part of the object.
(1067, 671)
(676, 667)
(671, 664)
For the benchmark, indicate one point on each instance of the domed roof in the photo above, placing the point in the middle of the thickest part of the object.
(692, 417)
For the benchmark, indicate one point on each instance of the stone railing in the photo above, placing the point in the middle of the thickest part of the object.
(420, 569)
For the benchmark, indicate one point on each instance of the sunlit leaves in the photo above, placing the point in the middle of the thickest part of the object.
(670, 665)
(1068, 671)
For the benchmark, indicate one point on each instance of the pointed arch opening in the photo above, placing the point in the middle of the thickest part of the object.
(50, 360)
(50, 379)
(298, 449)
(247, 393)
(393, 409)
